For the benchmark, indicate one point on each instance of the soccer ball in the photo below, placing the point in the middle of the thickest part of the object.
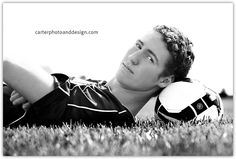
(188, 100)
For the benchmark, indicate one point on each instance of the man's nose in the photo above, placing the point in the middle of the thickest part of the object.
(135, 58)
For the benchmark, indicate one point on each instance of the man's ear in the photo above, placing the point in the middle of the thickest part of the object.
(165, 81)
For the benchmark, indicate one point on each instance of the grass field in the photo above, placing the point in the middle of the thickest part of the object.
(146, 138)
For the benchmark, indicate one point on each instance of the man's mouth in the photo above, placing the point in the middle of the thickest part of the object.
(127, 68)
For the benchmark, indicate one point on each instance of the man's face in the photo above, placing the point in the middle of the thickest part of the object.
(142, 66)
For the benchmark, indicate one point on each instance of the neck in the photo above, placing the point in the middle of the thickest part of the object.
(133, 100)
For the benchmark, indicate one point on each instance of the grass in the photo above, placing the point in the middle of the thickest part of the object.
(146, 138)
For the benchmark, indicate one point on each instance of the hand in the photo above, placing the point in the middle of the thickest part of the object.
(17, 99)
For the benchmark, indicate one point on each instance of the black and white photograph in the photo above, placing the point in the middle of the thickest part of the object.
(117, 79)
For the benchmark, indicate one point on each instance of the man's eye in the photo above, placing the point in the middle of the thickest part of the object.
(138, 46)
(150, 59)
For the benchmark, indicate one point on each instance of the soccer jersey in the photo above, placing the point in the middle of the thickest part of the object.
(75, 100)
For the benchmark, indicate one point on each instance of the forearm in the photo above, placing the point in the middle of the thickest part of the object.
(30, 81)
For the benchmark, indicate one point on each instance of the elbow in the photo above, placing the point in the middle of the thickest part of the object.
(8, 66)
(5, 67)
(7, 62)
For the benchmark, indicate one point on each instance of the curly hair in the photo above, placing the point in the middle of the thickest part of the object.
(180, 48)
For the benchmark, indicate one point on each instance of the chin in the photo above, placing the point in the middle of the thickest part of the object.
(124, 81)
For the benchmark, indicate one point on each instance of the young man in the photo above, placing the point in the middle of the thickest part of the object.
(161, 57)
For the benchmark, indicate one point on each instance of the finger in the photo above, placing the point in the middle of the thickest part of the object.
(14, 96)
(19, 100)
(13, 93)
(26, 106)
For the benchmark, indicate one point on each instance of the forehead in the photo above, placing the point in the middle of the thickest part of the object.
(153, 41)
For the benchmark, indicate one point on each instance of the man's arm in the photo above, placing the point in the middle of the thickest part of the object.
(31, 81)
